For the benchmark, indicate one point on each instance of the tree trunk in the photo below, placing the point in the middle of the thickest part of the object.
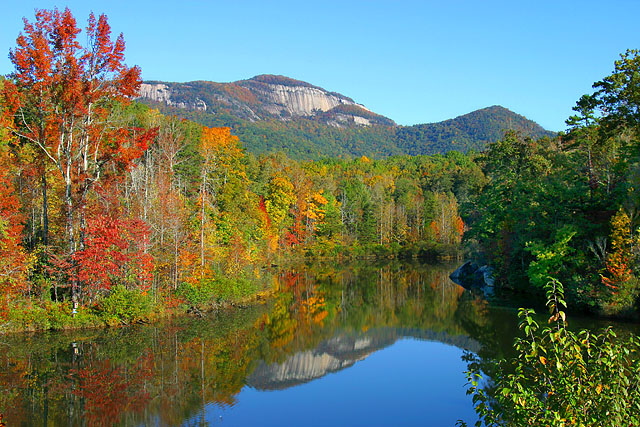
(70, 239)
(175, 260)
(203, 195)
(45, 210)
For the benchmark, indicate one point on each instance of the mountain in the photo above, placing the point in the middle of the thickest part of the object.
(263, 97)
(276, 113)
(472, 131)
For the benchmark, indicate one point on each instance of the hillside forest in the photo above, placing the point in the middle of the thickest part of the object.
(333, 133)
(112, 212)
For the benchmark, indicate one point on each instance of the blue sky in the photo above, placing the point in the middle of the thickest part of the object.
(412, 61)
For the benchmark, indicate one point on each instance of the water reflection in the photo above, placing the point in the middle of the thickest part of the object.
(323, 320)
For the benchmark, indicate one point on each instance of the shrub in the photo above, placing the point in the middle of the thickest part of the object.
(196, 294)
(42, 316)
(23, 315)
(215, 289)
(124, 305)
(234, 288)
(562, 378)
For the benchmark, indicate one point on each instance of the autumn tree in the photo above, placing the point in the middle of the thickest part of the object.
(618, 277)
(219, 151)
(14, 259)
(61, 96)
(278, 200)
(447, 225)
(157, 192)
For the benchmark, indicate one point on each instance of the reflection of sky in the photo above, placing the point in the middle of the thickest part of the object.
(409, 383)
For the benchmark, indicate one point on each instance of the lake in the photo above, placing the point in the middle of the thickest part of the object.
(359, 344)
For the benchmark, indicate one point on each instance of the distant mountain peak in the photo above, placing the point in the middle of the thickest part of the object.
(273, 112)
(471, 131)
(277, 79)
(262, 97)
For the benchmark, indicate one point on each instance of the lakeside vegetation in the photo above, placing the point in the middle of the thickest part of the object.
(559, 377)
(560, 218)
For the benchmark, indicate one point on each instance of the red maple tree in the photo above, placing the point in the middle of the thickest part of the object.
(62, 97)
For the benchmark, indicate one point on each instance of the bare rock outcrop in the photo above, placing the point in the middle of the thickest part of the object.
(260, 98)
(299, 100)
(475, 278)
(160, 92)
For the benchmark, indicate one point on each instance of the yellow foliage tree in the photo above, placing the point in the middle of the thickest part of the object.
(220, 152)
(280, 196)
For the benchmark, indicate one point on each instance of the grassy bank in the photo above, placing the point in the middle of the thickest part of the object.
(123, 306)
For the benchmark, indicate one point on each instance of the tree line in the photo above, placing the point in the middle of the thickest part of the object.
(567, 208)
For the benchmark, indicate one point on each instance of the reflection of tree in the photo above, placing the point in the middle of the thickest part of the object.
(319, 308)
(279, 325)
(393, 295)
(108, 391)
(104, 380)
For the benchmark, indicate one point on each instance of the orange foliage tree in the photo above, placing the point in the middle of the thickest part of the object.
(61, 98)
(618, 277)
(14, 260)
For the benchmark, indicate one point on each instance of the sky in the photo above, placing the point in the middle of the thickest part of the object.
(412, 61)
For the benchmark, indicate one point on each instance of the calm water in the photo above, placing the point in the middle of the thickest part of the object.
(364, 344)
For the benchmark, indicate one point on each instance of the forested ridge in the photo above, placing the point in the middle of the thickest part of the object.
(335, 132)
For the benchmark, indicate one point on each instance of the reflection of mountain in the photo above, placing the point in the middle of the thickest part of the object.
(297, 369)
(340, 352)
(332, 355)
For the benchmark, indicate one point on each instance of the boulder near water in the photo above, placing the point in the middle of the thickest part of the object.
(474, 278)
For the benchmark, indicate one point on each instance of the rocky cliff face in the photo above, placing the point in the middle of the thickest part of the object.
(298, 100)
(156, 92)
(160, 92)
(262, 97)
